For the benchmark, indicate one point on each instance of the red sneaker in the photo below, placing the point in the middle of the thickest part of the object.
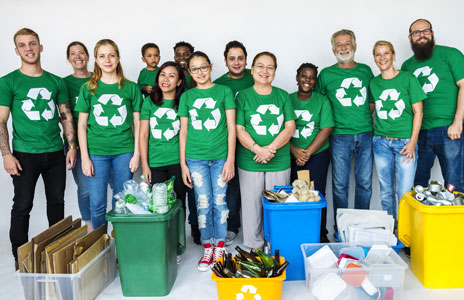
(219, 251)
(207, 258)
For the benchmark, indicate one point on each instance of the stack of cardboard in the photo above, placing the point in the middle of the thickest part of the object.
(64, 248)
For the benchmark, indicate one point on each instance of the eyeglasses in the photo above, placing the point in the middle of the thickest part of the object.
(203, 69)
(417, 33)
(261, 67)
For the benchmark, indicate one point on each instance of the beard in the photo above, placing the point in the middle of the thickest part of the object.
(345, 59)
(423, 51)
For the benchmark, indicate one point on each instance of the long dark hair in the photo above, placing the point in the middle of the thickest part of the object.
(157, 94)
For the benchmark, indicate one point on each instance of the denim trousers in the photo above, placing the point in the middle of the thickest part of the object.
(52, 167)
(83, 198)
(395, 176)
(318, 166)
(210, 194)
(107, 168)
(436, 143)
(342, 148)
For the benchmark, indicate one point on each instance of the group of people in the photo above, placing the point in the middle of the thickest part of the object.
(227, 140)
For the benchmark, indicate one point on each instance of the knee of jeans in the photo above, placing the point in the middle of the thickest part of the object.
(201, 221)
(221, 183)
(224, 216)
(197, 179)
(203, 202)
(220, 199)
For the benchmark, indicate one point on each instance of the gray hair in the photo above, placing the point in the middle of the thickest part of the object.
(343, 32)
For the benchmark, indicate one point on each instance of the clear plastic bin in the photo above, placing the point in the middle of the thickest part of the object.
(385, 278)
(86, 284)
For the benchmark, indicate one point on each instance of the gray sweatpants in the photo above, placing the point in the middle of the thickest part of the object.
(252, 185)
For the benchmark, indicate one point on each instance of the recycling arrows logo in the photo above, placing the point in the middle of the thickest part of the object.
(115, 120)
(392, 95)
(309, 127)
(28, 104)
(170, 115)
(210, 123)
(346, 84)
(262, 129)
(248, 289)
(432, 78)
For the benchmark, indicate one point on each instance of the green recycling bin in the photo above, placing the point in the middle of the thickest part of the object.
(147, 247)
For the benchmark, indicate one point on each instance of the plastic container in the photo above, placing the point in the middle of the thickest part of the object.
(85, 285)
(288, 225)
(250, 288)
(435, 236)
(147, 248)
(383, 277)
(397, 248)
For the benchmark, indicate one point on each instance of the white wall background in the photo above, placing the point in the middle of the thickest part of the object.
(296, 31)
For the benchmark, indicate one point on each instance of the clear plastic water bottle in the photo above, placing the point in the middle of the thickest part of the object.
(160, 198)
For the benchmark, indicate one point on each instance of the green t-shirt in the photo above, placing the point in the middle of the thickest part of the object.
(236, 84)
(110, 109)
(163, 142)
(207, 124)
(146, 77)
(74, 85)
(264, 117)
(348, 92)
(393, 99)
(312, 115)
(188, 82)
(33, 102)
(438, 76)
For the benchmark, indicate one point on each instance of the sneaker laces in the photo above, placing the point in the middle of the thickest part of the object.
(207, 255)
(218, 252)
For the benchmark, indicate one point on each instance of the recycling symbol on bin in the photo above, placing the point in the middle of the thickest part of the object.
(262, 129)
(169, 114)
(29, 107)
(209, 123)
(309, 128)
(248, 290)
(346, 84)
(390, 95)
(432, 78)
(115, 120)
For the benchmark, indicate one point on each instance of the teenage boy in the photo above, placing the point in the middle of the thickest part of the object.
(182, 52)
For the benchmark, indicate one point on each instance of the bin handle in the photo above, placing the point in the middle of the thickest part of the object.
(46, 289)
(181, 244)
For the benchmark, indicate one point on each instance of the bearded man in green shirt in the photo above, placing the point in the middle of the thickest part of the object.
(440, 71)
(32, 94)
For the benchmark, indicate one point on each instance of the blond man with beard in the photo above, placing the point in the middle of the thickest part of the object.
(346, 84)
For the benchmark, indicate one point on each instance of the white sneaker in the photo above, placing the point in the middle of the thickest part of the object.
(230, 237)
(205, 262)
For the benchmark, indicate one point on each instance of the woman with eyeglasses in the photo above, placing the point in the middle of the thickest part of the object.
(265, 124)
(397, 98)
(207, 153)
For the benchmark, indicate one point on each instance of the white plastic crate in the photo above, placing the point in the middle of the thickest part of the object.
(85, 285)
(384, 277)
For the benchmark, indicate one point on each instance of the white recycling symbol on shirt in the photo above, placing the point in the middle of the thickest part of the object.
(341, 92)
(28, 104)
(115, 120)
(209, 123)
(170, 115)
(392, 95)
(256, 120)
(248, 289)
(309, 127)
(432, 77)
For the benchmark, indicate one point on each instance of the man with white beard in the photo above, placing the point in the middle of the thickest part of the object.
(346, 84)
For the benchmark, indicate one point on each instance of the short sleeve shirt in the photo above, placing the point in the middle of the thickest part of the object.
(33, 103)
(74, 85)
(236, 84)
(264, 117)
(146, 77)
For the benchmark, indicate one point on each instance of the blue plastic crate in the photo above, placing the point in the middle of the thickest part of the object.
(397, 248)
(288, 225)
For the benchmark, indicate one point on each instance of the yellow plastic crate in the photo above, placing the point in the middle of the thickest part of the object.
(435, 235)
(250, 288)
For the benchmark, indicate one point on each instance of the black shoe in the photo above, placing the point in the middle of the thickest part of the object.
(324, 239)
(196, 235)
(407, 252)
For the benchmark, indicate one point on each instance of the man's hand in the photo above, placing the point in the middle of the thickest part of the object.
(12, 165)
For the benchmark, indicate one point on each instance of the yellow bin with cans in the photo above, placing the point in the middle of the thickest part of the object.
(250, 288)
(435, 235)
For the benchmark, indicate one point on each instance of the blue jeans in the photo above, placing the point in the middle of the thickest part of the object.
(343, 147)
(104, 167)
(210, 194)
(83, 198)
(435, 142)
(395, 176)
